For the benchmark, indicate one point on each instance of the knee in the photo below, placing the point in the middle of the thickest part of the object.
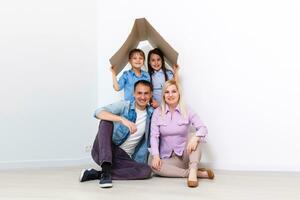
(105, 123)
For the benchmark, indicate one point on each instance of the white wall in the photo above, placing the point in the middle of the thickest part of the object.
(48, 83)
(239, 67)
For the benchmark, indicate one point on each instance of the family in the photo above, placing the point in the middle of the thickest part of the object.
(152, 118)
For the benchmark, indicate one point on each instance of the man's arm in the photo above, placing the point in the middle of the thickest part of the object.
(105, 115)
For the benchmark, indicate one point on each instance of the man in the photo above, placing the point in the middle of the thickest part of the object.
(122, 141)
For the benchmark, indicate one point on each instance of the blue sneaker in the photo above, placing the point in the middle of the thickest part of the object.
(89, 174)
(105, 180)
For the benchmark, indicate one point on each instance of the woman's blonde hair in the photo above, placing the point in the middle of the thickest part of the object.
(181, 104)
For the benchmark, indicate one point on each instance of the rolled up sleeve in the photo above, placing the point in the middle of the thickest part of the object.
(115, 108)
(122, 81)
(201, 129)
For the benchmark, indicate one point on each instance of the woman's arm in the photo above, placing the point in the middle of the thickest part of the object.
(154, 140)
(201, 130)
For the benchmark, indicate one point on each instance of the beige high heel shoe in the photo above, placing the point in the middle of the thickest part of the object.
(193, 184)
(209, 172)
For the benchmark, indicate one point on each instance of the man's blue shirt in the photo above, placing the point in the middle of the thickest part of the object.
(126, 109)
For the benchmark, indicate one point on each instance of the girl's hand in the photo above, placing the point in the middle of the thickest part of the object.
(154, 103)
(192, 145)
(175, 68)
(156, 162)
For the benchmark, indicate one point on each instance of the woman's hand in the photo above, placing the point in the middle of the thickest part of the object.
(192, 145)
(154, 103)
(130, 125)
(156, 162)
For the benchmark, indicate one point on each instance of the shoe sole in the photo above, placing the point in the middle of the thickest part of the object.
(82, 173)
(106, 185)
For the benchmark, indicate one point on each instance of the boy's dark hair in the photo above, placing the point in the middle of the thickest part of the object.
(134, 51)
(145, 83)
(158, 52)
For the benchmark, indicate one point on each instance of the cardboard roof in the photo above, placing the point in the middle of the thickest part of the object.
(141, 31)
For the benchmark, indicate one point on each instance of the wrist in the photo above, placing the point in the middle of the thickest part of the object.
(121, 120)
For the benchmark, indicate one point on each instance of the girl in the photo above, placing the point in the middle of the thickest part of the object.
(159, 74)
(130, 77)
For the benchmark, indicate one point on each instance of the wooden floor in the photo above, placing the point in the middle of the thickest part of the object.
(62, 183)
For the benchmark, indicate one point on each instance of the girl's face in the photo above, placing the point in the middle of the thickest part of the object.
(155, 62)
(171, 95)
(136, 60)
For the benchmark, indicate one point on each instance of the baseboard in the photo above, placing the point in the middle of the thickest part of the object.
(25, 164)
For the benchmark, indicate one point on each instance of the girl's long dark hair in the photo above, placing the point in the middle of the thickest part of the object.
(158, 52)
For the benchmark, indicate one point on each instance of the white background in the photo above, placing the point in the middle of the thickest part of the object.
(239, 69)
(48, 82)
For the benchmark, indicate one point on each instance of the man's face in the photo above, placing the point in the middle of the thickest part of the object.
(142, 95)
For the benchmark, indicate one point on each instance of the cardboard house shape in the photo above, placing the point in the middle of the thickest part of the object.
(141, 31)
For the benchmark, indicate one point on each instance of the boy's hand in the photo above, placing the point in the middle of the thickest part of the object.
(113, 70)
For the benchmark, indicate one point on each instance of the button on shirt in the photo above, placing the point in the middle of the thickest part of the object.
(158, 81)
(169, 132)
(127, 81)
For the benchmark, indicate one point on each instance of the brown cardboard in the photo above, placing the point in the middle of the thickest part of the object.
(141, 31)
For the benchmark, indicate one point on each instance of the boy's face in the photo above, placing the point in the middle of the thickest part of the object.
(142, 96)
(136, 60)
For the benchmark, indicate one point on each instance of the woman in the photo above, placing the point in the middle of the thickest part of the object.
(173, 154)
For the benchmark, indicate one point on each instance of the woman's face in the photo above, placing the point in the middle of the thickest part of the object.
(171, 95)
(155, 62)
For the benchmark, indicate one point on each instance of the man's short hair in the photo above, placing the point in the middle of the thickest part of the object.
(143, 82)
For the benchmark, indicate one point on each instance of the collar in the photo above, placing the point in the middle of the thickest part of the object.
(132, 105)
(149, 108)
(168, 109)
(132, 73)
(159, 71)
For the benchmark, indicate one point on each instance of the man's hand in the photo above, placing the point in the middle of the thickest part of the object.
(156, 162)
(192, 145)
(130, 125)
